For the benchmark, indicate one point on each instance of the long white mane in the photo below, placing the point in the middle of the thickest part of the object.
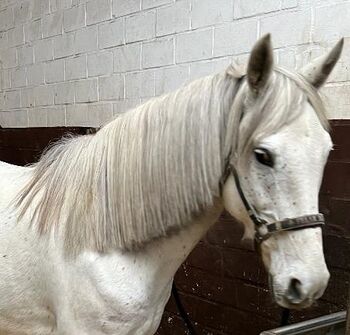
(154, 169)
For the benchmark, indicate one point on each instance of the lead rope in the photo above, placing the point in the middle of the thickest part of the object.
(285, 317)
(285, 314)
(182, 311)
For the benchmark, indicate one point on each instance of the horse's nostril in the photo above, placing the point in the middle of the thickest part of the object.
(294, 293)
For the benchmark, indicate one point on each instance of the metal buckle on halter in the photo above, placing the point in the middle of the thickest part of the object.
(258, 237)
(258, 223)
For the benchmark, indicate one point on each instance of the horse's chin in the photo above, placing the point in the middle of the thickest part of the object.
(284, 303)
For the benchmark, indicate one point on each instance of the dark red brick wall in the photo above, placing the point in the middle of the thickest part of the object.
(223, 285)
(22, 146)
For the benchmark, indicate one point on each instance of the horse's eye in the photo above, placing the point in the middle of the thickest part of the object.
(263, 156)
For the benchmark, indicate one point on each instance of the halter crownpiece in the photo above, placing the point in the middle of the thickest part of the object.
(302, 222)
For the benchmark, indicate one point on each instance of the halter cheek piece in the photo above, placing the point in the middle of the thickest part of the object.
(302, 222)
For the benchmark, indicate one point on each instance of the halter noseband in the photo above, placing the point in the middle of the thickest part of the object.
(302, 222)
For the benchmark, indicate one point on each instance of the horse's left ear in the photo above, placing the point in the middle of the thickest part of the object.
(317, 72)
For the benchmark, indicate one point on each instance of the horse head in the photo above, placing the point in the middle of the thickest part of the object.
(278, 160)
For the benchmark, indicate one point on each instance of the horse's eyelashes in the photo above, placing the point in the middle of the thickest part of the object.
(264, 157)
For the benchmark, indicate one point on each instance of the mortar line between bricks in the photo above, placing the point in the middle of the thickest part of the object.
(236, 308)
(246, 281)
(342, 161)
(340, 199)
(331, 4)
(312, 24)
(265, 15)
(173, 315)
(250, 311)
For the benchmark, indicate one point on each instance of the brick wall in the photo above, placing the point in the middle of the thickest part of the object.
(78, 62)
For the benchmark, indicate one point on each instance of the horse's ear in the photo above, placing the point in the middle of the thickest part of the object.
(260, 64)
(317, 71)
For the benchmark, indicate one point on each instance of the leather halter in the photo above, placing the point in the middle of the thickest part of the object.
(302, 222)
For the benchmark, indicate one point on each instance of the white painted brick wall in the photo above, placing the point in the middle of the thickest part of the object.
(331, 22)
(79, 62)
(35, 74)
(43, 95)
(158, 53)
(22, 12)
(52, 24)
(140, 85)
(74, 18)
(43, 50)
(208, 12)
(170, 78)
(5, 80)
(140, 26)
(27, 97)
(16, 36)
(235, 35)
(25, 55)
(290, 28)
(8, 58)
(100, 63)
(98, 11)
(86, 90)
(64, 45)
(37, 117)
(111, 34)
(18, 77)
(85, 40)
(174, 18)
(76, 68)
(111, 88)
(194, 45)
(54, 71)
(127, 58)
(125, 7)
(6, 19)
(32, 31)
(246, 8)
(64, 93)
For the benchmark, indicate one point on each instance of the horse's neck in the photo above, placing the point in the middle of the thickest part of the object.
(172, 251)
(147, 272)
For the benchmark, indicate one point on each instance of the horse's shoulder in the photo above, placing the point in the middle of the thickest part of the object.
(11, 168)
(12, 179)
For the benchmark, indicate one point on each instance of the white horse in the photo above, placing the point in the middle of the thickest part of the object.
(92, 235)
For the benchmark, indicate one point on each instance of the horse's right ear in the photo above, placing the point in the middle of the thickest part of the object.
(260, 64)
(317, 72)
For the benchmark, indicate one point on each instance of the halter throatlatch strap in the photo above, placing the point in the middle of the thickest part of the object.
(250, 210)
(302, 222)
